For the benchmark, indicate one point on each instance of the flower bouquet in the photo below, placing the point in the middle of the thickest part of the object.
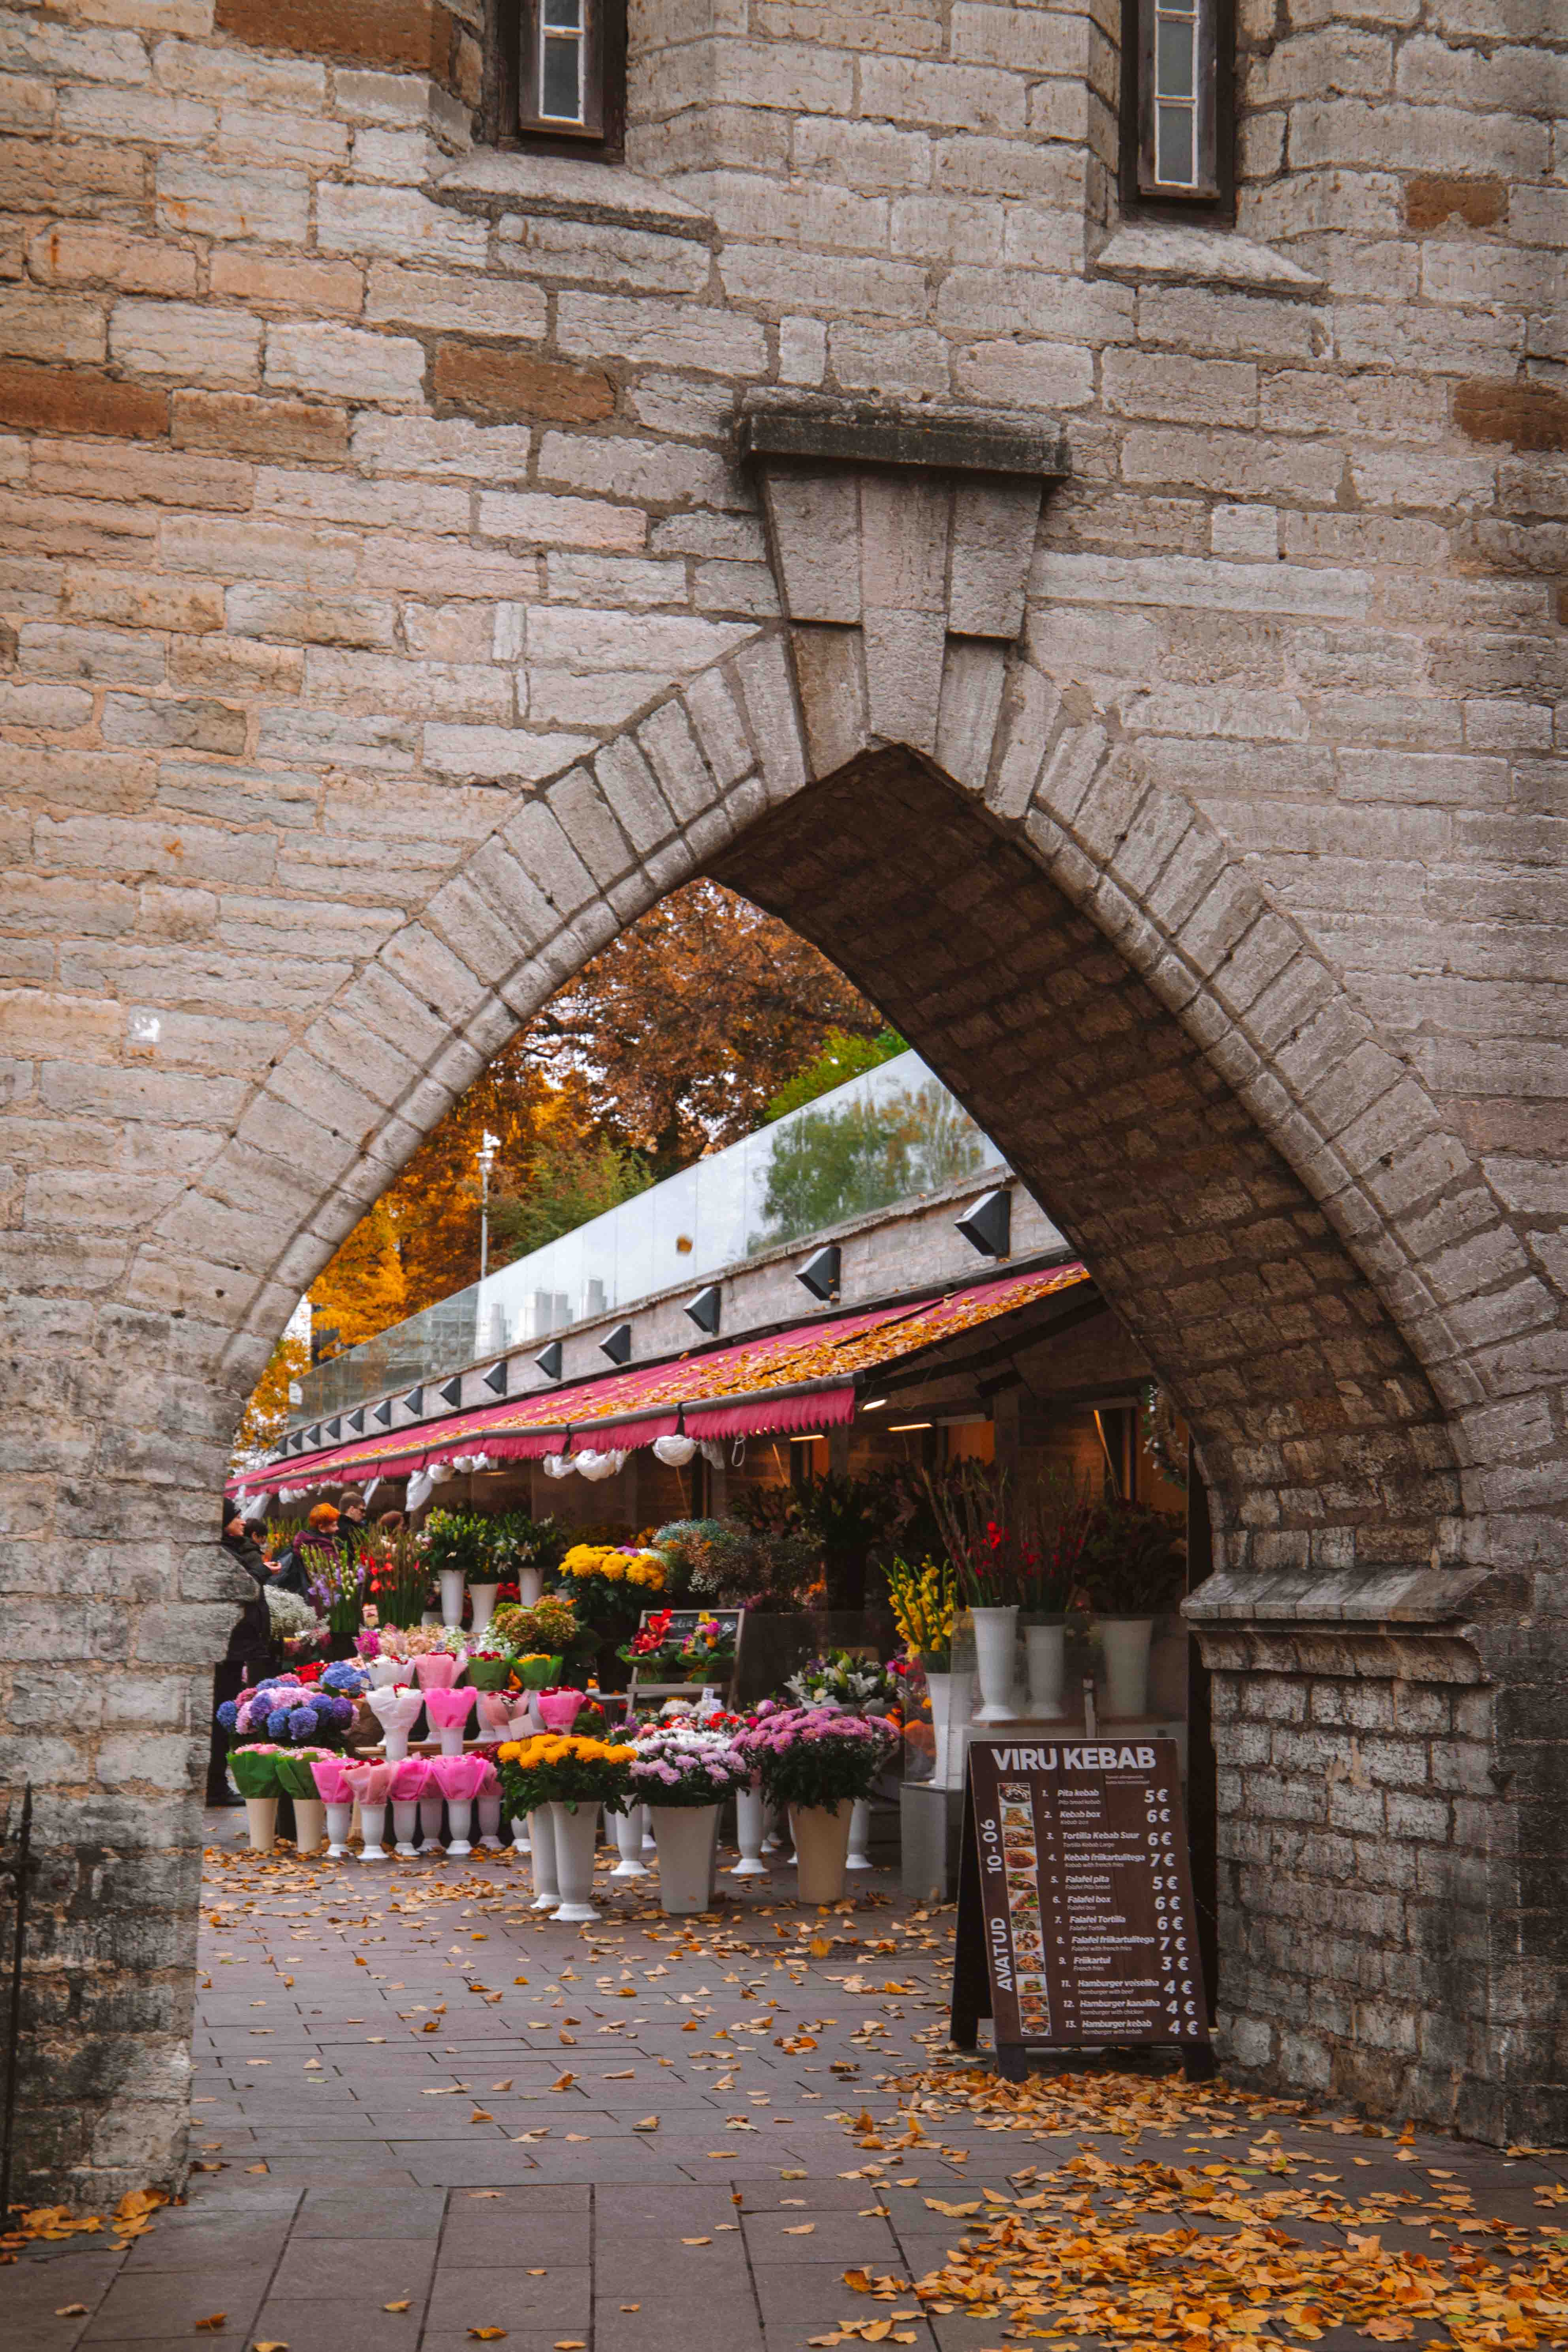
(372, 1785)
(490, 1664)
(817, 1763)
(538, 1672)
(454, 1546)
(337, 1585)
(293, 1621)
(396, 1710)
(841, 1679)
(255, 1773)
(397, 1577)
(924, 1601)
(295, 1768)
(548, 1628)
(610, 1579)
(288, 1711)
(571, 1777)
(683, 1775)
(449, 1711)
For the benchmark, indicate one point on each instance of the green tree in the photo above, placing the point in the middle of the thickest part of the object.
(828, 1165)
(571, 1179)
(844, 1057)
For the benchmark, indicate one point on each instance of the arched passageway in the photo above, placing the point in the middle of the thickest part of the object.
(1261, 1188)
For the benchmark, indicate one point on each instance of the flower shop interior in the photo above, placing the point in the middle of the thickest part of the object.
(694, 1474)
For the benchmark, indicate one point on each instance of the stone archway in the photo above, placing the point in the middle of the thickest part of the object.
(1006, 880)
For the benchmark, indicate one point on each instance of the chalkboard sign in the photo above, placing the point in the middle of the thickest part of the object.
(1075, 1922)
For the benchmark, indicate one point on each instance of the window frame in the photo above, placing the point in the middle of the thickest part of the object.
(1214, 192)
(511, 116)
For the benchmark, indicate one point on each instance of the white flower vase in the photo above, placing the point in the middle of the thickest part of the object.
(373, 1829)
(460, 1815)
(628, 1827)
(1046, 1646)
(395, 1744)
(859, 1836)
(430, 1823)
(451, 1737)
(649, 1843)
(339, 1820)
(822, 1850)
(686, 1834)
(483, 1597)
(771, 1841)
(1124, 1642)
(529, 1585)
(750, 1818)
(451, 1582)
(542, 1850)
(938, 1688)
(576, 1833)
(489, 1810)
(261, 1821)
(520, 1841)
(405, 1822)
(995, 1636)
(429, 1617)
(310, 1823)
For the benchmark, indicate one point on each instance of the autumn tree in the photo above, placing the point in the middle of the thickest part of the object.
(693, 1019)
(265, 1417)
(672, 1042)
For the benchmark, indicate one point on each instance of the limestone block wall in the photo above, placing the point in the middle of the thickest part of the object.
(385, 616)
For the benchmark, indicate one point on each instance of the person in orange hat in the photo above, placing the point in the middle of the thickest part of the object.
(303, 1559)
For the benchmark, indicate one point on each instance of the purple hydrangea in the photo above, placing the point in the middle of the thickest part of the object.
(302, 1723)
(228, 1715)
(278, 1724)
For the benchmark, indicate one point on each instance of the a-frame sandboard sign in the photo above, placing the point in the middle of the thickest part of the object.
(1075, 1922)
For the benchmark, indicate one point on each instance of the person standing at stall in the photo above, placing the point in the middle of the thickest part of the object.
(249, 1653)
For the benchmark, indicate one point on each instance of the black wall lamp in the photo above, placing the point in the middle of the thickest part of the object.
(820, 1272)
(706, 1308)
(987, 1226)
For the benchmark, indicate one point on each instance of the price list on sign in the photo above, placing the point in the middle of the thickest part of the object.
(1076, 1925)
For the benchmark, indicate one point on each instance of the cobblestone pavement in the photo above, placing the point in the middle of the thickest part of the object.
(422, 2112)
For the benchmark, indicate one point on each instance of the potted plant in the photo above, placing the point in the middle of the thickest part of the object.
(453, 1543)
(523, 1547)
(991, 1558)
(567, 1778)
(817, 1763)
(608, 1585)
(1132, 1568)
(683, 1775)
(1061, 1517)
(540, 1628)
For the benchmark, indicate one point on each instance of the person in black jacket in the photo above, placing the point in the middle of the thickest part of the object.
(250, 1654)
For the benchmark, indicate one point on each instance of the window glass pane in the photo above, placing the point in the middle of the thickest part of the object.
(1175, 58)
(1174, 146)
(561, 97)
(564, 15)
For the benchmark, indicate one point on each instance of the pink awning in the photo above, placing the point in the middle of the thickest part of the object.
(802, 1377)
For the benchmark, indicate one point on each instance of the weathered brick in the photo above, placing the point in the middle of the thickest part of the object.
(486, 380)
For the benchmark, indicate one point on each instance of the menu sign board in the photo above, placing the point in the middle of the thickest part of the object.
(1076, 1921)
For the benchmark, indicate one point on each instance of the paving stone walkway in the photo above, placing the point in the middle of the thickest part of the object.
(412, 2093)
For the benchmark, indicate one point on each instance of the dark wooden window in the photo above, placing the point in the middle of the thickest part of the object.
(1178, 108)
(558, 75)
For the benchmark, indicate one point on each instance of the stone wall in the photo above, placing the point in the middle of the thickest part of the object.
(387, 616)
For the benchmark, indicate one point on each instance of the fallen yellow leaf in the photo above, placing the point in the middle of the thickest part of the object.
(799, 2229)
(697, 2242)
(487, 2334)
(214, 2321)
(563, 2083)
(648, 2124)
(70, 2311)
(404, 2306)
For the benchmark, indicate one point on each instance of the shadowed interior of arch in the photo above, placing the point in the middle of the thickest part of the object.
(1320, 1435)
